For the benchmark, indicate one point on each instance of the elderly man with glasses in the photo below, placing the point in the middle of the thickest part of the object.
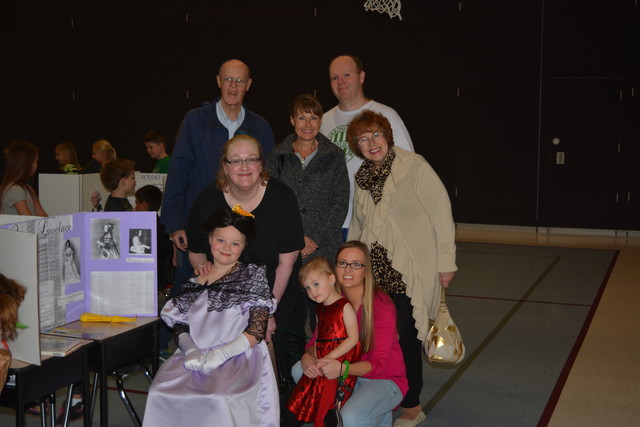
(196, 156)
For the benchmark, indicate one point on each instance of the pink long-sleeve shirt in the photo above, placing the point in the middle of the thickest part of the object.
(386, 356)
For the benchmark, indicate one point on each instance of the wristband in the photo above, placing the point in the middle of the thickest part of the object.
(346, 372)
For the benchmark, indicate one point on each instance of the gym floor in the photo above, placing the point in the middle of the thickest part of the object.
(546, 321)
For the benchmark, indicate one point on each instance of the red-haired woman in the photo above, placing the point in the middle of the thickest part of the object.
(401, 210)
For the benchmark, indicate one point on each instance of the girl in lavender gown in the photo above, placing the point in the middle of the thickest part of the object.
(221, 374)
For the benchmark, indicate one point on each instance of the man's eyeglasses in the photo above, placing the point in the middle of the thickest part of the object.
(355, 265)
(368, 139)
(239, 162)
(236, 80)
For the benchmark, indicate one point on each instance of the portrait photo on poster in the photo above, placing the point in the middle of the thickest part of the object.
(70, 260)
(140, 241)
(105, 233)
(96, 201)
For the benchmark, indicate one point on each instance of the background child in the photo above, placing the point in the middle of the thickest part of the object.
(222, 372)
(67, 158)
(157, 149)
(17, 197)
(119, 178)
(149, 198)
(101, 152)
(336, 337)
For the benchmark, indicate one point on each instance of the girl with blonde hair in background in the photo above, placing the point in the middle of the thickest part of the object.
(67, 158)
(101, 152)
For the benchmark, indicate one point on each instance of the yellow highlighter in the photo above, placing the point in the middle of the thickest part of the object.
(91, 317)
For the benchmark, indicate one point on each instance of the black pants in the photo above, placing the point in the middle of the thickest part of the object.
(289, 338)
(411, 348)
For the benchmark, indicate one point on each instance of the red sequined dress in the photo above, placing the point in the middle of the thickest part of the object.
(313, 397)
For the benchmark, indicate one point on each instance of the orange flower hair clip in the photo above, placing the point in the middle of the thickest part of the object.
(238, 209)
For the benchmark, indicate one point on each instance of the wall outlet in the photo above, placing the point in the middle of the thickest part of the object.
(560, 158)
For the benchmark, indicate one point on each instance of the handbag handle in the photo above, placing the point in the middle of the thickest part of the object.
(443, 302)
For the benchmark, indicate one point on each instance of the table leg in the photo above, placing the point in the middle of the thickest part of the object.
(155, 362)
(86, 397)
(104, 399)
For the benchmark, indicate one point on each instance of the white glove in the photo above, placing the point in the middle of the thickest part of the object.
(192, 354)
(218, 356)
(193, 359)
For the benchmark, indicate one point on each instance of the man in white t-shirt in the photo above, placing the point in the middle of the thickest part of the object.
(347, 78)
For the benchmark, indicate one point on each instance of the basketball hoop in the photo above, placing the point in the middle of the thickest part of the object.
(391, 7)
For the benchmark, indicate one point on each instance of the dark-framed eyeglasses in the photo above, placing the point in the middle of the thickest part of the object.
(239, 162)
(355, 265)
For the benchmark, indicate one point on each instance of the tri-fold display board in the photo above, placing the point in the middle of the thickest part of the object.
(102, 262)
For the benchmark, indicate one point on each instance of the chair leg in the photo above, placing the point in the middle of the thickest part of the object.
(67, 408)
(125, 399)
(44, 404)
(147, 373)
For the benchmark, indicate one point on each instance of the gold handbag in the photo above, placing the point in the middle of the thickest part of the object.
(444, 342)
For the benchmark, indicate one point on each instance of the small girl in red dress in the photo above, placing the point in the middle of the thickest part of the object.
(336, 337)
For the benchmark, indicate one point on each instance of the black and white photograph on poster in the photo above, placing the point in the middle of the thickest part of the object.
(96, 199)
(105, 233)
(70, 260)
(140, 241)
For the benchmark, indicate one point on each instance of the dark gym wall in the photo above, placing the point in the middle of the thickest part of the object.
(479, 85)
(589, 106)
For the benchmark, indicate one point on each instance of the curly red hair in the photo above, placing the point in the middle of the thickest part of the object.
(11, 296)
(368, 121)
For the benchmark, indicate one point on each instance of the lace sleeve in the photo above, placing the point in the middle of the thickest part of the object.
(179, 328)
(258, 319)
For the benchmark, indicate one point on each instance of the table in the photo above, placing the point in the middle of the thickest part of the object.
(115, 346)
(34, 382)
